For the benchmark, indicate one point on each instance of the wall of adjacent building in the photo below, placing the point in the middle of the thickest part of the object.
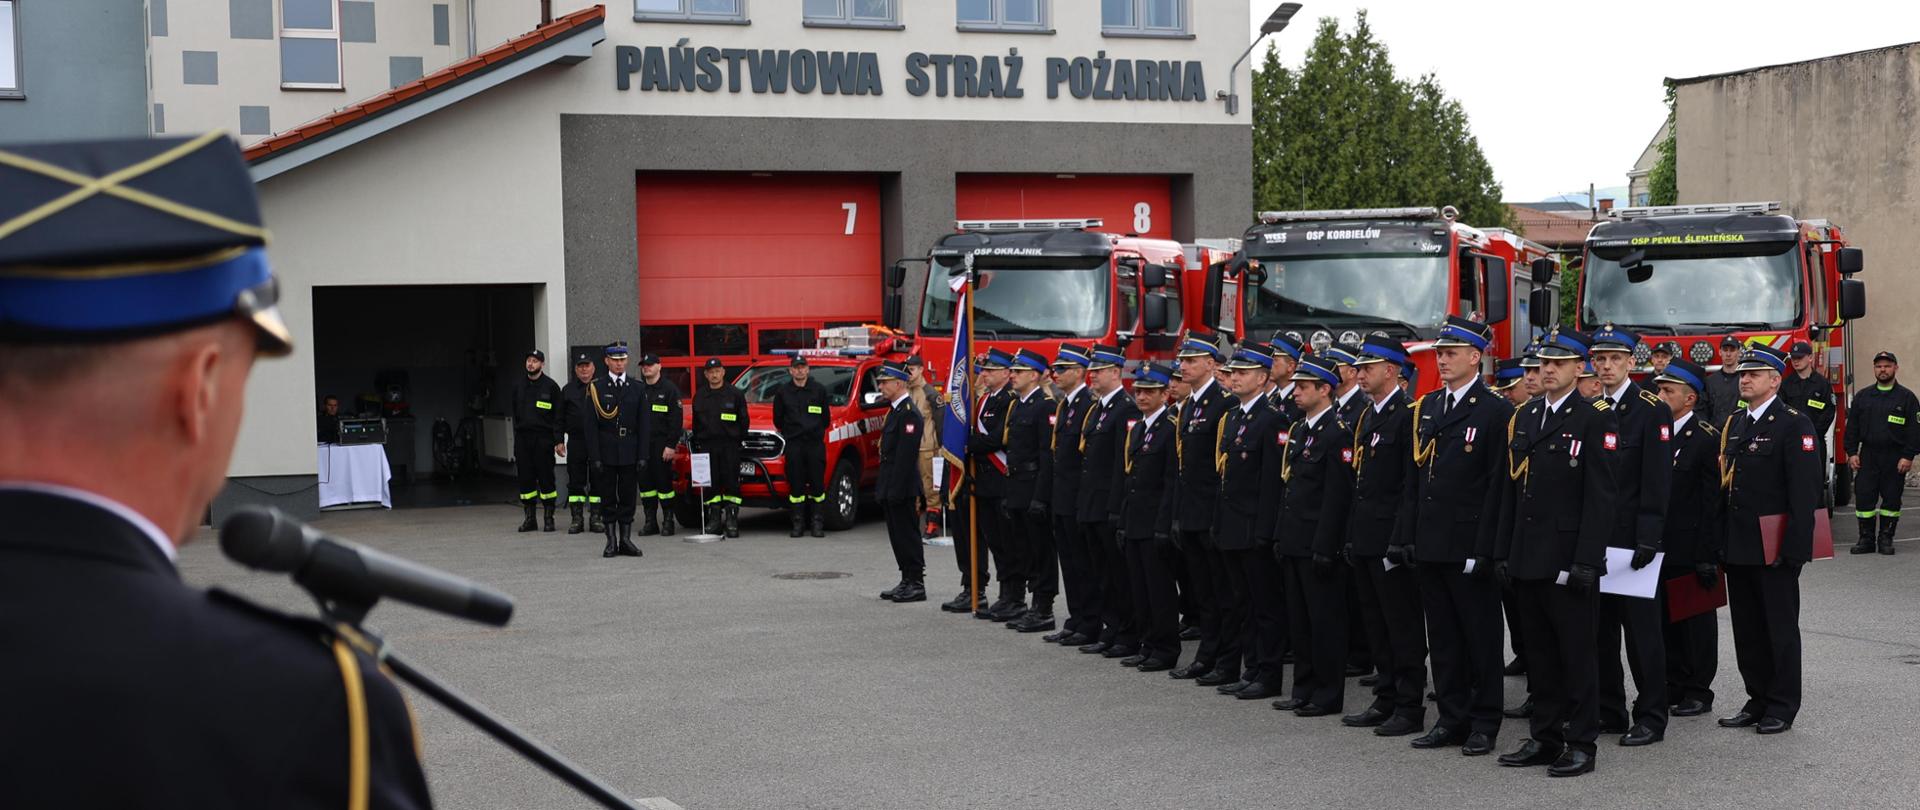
(101, 96)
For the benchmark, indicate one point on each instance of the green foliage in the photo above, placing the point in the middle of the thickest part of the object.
(1343, 131)
(1663, 180)
(1570, 269)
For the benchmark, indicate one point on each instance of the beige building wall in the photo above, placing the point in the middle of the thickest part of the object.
(1832, 138)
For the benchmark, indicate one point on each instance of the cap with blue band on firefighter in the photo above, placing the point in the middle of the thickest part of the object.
(897, 485)
(151, 253)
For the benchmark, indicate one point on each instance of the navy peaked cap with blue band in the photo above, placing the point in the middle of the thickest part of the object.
(1341, 355)
(894, 371)
(1152, 375)
(1199, 346)
(1587, 370)
(1381, 349)
(1030, 360)
(616, 349)
(1071, 355)
(1408, 371)
(1281, 344)
(1249, 357)
(1316, 368)
(1685, 372)
(111, 240)
(1466, 332)
(1565, 344)
(1507, 374)
(1761, 357)
(1531, 359)
(996, 359)
(1610, 338)
(1104, 356)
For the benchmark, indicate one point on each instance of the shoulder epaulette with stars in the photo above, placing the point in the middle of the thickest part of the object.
(1649, 397)
(1791, 409)
(1711, 430)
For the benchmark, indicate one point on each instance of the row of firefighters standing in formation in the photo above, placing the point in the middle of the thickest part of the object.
(1302, 508)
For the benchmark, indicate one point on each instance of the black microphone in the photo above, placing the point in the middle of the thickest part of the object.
(269, 540)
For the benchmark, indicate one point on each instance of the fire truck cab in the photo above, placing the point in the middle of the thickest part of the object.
(1335, 276)
(844, 360)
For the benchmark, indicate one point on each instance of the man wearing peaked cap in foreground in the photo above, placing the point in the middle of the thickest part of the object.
(1216, 659)
(153, 284)
(1102, 434)
(897, 485)
(988, 450)
(622, 454)
(1144, 498)
(1693, 539)
(1391, 620)
(1082, 583)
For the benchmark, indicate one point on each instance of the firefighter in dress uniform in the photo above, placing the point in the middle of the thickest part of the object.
(1028, 439)
(800, 414)
(1316, 496)
(1350, 401)
(1247, 453)
(622, 452)
(1555, 518)
(1508, 376)
(576, 423)
(1216, 659)
(897, 484)
(719, 428)
(128, 688)
(990, 487)
(1881, 442)
(665, 426)
(536, 437)
(1693, 538)
(1770, 467)
(1102, 435)
(1082, 585)
(1147, 476)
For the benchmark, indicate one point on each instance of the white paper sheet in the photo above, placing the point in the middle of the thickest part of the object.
(1622, 580)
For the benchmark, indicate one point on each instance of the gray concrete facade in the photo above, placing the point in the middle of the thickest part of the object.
(917, 162)
(1831, 138)
(103, 95)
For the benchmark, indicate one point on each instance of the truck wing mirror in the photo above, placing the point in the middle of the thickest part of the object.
(1853, 299)
(1543, 269)
(1154, 276)
(1850, 260)
(1540, 309)
(890, 308)
(1153, 313)
(895, 275)
(1499, 293)
(872, 399)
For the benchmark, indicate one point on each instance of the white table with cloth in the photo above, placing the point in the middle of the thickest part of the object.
(354, 474)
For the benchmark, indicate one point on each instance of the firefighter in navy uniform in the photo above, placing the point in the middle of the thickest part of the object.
(1286, 361)
(1082, 625)
(1556, 515)
(621, 455)
(1247, 453)
(664, 428)
(1811, 393)
(536, 437)
(800, 414)
(1103, 435)
(1693, 540)
(1316, 491)
(1350, 401)
(1881, 442)
(1642, 484)
(897, 483)
(127, 687)
(1508, 376)
(1771, 471)
(1028, 439)
(719, 427)
(1143, 490)
(1389, 598)
(990, 487)
(576, 423)
(1216, 659)
(1446, 519)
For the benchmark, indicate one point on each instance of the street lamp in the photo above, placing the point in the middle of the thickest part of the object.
(1274, 24)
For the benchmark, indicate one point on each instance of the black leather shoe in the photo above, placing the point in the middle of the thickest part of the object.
(1189, 633)
(1035, 623)
(1257, 690)
(1370, 681)
(1524, 710)
(1477, 745)
(1288, 704)
(1772, 725)
(1314, 710)
(893, 594)
(1055, 636)
(1531, 753)
(1133, 660)
(1357, 669)
(1215, 678)
(1571, 763)
(1366, 719)
(913, 592)
(1690, 708)
(1076, 640)
(958, 604)
(1156, 665)
(1740, 720)
(1117, 651)
(1641, 735)
(1190, 671)
(1438, 737)
(1013, 609)
(1397, 726)
(1233, 688)
(1095, 647)
(1517, 666)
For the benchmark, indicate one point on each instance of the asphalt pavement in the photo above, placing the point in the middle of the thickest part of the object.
(695, 674)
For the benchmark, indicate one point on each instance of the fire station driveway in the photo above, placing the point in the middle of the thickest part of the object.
(693, 674)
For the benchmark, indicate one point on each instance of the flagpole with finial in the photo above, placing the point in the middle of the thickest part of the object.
(975, 585)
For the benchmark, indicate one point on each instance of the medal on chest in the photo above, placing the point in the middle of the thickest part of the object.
(1471, 433)
(1573, 453)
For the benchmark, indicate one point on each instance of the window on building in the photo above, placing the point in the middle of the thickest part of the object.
(673, 340)
(1152, 18)
(310, 45)
(1003, 15)
(852, 13)
(9, 51)
(714, 339)
(706, 11)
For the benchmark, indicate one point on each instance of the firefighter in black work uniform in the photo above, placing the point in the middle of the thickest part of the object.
(664, 426)
(719, 427)
(577, 423)
(536, 437)
(621, 455)
(1811, 393)
(1880, 447)
(800, 414)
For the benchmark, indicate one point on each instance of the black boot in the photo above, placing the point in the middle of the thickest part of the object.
(626, 546)
(651, 508)
(1886, 533)
(547, 507)
(713, 523)
(733, 519)
(529, 524)
(1868, 531)
(1038, 619)
(578, 524)
(816, 522)
(666, 518)
(798, 510)
(612, 546)
(593, 519)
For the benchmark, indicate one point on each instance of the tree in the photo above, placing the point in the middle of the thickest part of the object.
(1343, 131)
(1663, 180)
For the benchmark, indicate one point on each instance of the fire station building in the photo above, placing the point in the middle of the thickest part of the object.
(707, 177)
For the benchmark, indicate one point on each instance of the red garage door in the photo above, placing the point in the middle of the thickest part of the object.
(737, 265)
(1127, 203)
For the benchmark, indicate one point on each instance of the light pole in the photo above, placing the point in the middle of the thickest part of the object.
(1274, 24)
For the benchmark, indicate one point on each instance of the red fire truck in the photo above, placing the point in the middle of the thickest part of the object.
(1692, 274)
(845, 362)
(1044, 282)
(1336, 276)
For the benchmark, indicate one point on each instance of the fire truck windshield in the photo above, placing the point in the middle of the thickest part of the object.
(758, 383)
(1407, 290)
(1753, 286)
(1051, 297)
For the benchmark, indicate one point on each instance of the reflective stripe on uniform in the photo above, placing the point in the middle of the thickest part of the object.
(1892, 513)
(731, 498)
(666, 495)
(576, 499)
(796, 498)
(593, 499)
(819, 498)
(528, 496)
(649, 494)
(548, 496)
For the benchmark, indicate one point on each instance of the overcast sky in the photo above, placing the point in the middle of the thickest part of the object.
(1565, 94)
